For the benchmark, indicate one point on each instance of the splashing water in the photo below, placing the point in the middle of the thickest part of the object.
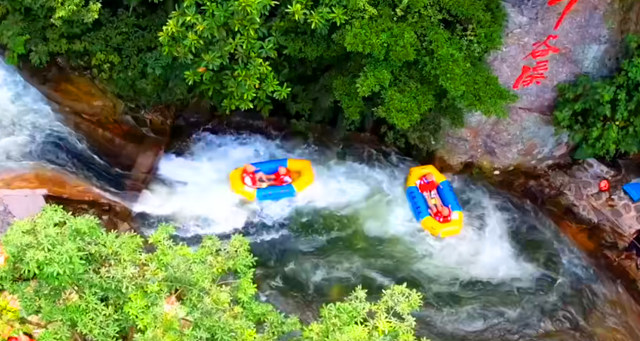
(25, 118)
(31, 134)
(508, 274)
(199, 197)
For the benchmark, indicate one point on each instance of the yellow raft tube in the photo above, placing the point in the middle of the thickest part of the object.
(301, 172)
(419, 206)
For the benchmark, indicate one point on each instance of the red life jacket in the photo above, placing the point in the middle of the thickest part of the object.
(249, 178)
(442, 219)
(426, 186)
(283, 179)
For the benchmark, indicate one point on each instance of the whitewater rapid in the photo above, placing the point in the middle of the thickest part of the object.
(509, 275)
(194, 191)
(32, 135)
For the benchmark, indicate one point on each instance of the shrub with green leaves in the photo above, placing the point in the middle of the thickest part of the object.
(407, 67)
(44, 28)
(230, 49)
(81, 282)
(412, 64)
(603, 115)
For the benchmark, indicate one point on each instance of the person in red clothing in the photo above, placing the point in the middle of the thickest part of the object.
(442, 215)
(282, 177)
(254, 178)
(428, 186)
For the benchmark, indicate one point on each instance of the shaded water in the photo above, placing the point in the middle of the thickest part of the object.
(509, 276)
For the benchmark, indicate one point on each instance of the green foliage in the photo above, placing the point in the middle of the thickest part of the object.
(85, 283)
(603, 116)
(408, 67)
(42, 28)
(230, 51)
(414, 64)
(119, 47)
(359, 320)
(125, 54)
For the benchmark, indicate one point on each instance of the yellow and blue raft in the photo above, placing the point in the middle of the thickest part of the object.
(420, 208)
(301, 173)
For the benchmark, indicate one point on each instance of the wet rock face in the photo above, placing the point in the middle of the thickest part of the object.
(130, 142)
(588, 41)
(58, 187)
(612, 211)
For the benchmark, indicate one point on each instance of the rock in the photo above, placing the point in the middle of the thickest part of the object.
(23, 203)
(589, 43)
(76, 195)
(130, 142)
(5, 217)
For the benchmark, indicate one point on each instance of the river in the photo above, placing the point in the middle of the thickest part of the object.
(510, 275)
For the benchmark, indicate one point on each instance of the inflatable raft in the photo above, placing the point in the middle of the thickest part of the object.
(420, 208)
(301, 172)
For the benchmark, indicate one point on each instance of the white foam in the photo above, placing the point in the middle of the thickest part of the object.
(25, 118)
(199, 198)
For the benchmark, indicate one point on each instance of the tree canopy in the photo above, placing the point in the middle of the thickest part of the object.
(409, 66)
(67, 278)
(603, 115)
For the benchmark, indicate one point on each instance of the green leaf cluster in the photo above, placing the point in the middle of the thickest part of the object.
(87, 284)
(44, 28)
(230, 50)
(603, 115)
(410, 62)
(407, 67)
(116, 41)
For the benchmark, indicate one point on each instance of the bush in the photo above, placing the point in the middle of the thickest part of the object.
(603, 115)
(412, 65)
(79, 281)
(408, 68)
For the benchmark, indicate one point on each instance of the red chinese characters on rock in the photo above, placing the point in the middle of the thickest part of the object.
(543, 49)
(565, 11)
(530, 75)
(534, 75)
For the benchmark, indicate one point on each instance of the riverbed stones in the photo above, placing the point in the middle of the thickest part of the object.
(589, 43)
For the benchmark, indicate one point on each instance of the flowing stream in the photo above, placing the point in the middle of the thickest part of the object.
(510, 275)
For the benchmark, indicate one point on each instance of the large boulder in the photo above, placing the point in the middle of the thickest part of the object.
(19, 190)
(130, 142)
(589, 42)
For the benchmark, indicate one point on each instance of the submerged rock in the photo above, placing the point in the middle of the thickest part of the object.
(589, 43)
(58, 187)
(130, 142)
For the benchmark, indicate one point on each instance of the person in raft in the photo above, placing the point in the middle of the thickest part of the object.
(254, 178)
(428, 186)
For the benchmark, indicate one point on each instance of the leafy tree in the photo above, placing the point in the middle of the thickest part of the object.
(117, 42)
(124, 53)
(43, 28)
(412, 63)
(230, 50)
(603, 116)
(80, 282)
